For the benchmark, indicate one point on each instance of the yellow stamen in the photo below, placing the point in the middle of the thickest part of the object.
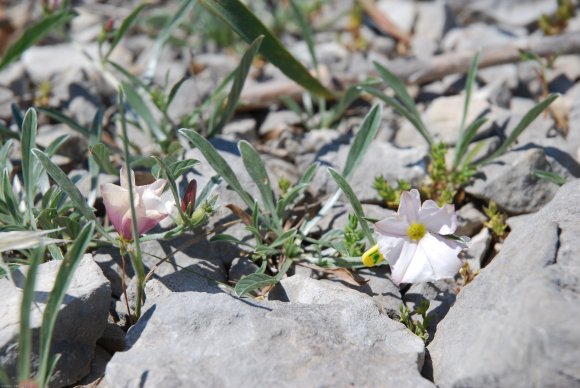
(416, 231)
(372, 257)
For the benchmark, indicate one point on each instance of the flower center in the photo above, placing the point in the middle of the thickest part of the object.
(416, 231)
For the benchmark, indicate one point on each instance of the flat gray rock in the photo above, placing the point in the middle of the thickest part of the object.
(202, 340)
(515, 325)
(80, 323)
(509, 181)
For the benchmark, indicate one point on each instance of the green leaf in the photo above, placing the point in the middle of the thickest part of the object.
(7, 194)
(25, 340)
(56, 296)
(253, 282)
(134, 79)
(125, 25)
(17, 115)
(5, 151)
(399, 87)
(465, 139)
(58, 116)
(281, 239)
(140, 107)
(241, 74)
(257, 171)
(345, 101)
(362, 140)
(413, 118)
(174, 90)
(259, 280)
(462, 142)
(249, 27)
(165, 34)
(550, 176)
(55, 145)
(468, 90)
(180, 167)
(523, 124)
(34, 34)
(355, 203)
(307, 33)
(228, 238)
(218, 163)
(28, 141)
(72, 191)
(208, 189)
(102, 156)
(357, 151)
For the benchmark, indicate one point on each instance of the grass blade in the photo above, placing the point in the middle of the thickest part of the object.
(523, 124)
(355, 203)
(249, 27)
(241, 74)
(34, 34)
(72, 191)
(362, 140)
(56, 296)
(28, 141)
(218, 163)
(257, 171)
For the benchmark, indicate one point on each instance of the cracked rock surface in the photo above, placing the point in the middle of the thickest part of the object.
(340, 338)
(516, 324)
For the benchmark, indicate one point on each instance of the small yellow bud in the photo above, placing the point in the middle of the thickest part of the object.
(372, 257)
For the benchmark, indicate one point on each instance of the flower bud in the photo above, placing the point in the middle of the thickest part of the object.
(188, 200)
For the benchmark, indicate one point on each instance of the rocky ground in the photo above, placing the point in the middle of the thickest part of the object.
(513, 325)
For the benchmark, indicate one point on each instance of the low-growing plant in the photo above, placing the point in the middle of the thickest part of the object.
(496, 220)
(446, 180)
(390, 195)
(417, 327)
(280, 232)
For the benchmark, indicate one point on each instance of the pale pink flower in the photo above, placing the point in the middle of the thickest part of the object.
(149, 207)
(414, 243)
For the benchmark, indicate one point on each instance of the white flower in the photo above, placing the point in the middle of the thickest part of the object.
(413, 240)
(149, 207)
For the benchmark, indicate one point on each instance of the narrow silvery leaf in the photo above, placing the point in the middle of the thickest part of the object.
(355, 203)
(24, 239)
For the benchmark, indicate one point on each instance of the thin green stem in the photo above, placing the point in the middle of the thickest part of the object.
(136, 253)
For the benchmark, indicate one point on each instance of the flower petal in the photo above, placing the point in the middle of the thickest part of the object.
(437, 219)
(156, 187)
(116, 200)
(409, 205)
(123, 177)
(395, 225)
(400, 259)
(435, 258)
